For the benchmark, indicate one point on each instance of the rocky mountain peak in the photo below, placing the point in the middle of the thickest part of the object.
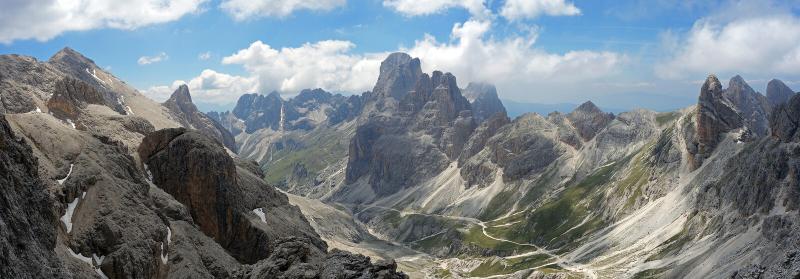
(184, 110)
(312, 95)
(398, 75)
(181, 95)
(751, 105)
(778, 93)
(484, 100)
(785, 120)
(589, 119)
(588, 107)
(715, 115)
(711, 89)
(68, 55)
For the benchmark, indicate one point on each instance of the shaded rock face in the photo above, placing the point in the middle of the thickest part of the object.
(484, 101)
(715, 115)
(785, 120)
(72, 95)
(588, 119)
(778, 93)
(221, 194)
(751, 105)
(181, 105)
(228, 121)
(27, 221)
(398, 75)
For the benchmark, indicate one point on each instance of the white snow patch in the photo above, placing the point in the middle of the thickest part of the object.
(149, 174)
(93, 73)
(79, 256)
(95, 264)
(164, 256)
(169, 236)
(69, 121)
(67, 218)
(38, 109)
(129, 110)
(61, 181)
(260, 213)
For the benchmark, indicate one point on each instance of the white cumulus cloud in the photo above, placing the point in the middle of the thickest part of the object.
(764, 45)
(514, 64)
(419, 8)
(147, 60)
(43, 20)
(324, 64)
(210, 87)
(528, 9)
(248, 9)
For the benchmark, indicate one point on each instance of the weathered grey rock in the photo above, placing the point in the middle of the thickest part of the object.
(785, 120)
(588, 119)
(483, 100)
(24, 81)
(715, 115)
(71, 96)
(398, 75)
(220, 196)
(180, 104)
(751, 105)
(74, 64)
(27, 221)
(778, 93)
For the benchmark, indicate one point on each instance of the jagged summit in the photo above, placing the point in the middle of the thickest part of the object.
(181, 95)
(484, 100)
(398, 75)
(184, 110)
(751, 105)
(589, 119)
(778, 93)
(68, 54)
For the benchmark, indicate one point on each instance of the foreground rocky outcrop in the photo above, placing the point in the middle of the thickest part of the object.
(27, 221)
(251, 220)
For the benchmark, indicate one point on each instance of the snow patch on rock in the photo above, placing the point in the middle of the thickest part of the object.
(67, 218)
(260, 213)
(61, 181)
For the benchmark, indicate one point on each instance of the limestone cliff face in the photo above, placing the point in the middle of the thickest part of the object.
(715, 115)
(399, 145)
(778, 93)
(785, 120)
(588, 119)
(181, 105)
(72, 95)
(398, 75)
(201, 175)
(28, 227)
(751, 105)
(483, 100)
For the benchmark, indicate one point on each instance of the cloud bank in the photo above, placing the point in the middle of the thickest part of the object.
(43, 20)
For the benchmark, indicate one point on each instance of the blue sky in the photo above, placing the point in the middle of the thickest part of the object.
(620, 54)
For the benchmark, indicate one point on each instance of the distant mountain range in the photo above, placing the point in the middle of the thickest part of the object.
(422, 174)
